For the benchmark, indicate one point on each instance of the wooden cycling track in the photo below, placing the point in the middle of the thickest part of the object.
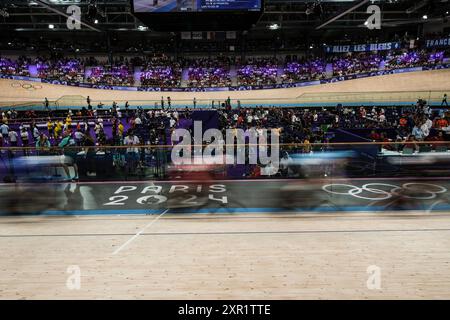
(14, 92)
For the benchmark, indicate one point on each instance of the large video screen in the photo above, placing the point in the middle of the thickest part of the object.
(165, 6)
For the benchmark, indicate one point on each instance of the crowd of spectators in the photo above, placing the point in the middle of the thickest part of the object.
(66, 69)
(164, 71)
(258, 71)
(208, 72)
(302, 125)
(293, 123)
(115, 75)
(356, 63)
(87, 127)
(18, 67)
(413, 58)
(87, 130)
(161, 72)
(304, 70)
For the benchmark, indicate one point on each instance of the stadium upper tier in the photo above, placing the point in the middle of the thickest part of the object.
(220, 73)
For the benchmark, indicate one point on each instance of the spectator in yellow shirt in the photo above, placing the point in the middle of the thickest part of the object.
(50, 126)
(306, 145)
(121, 128)
(68, 121)
(58, 129)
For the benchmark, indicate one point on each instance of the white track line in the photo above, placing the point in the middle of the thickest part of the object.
(430, 209)
(139, 233)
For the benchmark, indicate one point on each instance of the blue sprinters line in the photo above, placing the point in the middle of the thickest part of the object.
(227, 210)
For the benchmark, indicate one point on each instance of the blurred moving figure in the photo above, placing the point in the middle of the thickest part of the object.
(37, 184)
(310, 171)
(195, 181)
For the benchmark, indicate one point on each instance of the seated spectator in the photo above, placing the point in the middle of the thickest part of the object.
(440, 123)
(374, 136)
(42, 142)
(418, 133)
(439, 137)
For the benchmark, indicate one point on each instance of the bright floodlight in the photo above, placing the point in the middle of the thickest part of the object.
(274, 26)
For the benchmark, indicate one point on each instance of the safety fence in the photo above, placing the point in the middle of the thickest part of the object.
(384, 98)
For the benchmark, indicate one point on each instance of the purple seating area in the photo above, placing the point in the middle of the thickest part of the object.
(353, 64)
(69, 70)
(208, 72)
(414, 59)
(258, 71)
(165, 72)
(12, 67)
(161, 72)
(117, 75)
(313, 69)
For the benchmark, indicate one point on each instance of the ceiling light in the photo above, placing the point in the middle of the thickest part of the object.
(274, 26)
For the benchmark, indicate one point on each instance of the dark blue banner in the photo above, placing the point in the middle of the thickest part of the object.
(363, 47)
(438, 43)
(6, 76)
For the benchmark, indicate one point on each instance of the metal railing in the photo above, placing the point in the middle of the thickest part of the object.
(306, 99)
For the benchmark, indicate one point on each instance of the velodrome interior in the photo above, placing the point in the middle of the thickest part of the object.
(354, 205)
(220, 255)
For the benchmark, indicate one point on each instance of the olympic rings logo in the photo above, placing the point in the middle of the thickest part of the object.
(384, 191)
(26, 86)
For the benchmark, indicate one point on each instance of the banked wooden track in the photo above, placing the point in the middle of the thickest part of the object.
(14, 92)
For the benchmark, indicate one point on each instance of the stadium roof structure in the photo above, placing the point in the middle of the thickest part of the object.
(23, 15)
(332, 19)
